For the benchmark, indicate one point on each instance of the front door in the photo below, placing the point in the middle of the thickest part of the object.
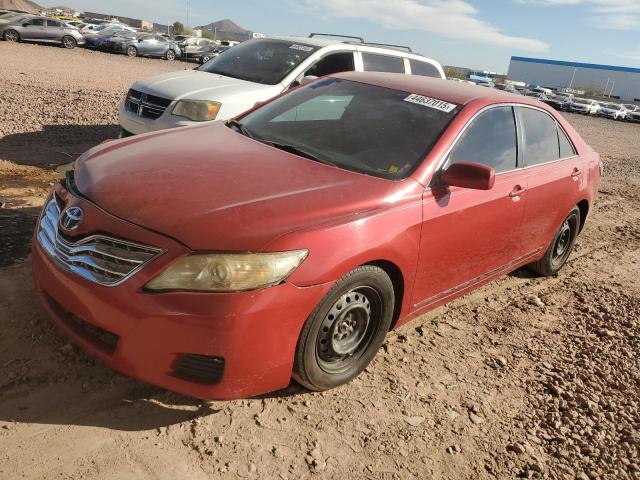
(34, 29)
(471, 235)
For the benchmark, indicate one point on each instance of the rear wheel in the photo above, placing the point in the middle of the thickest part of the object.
(170, 55)
(69, 42)
(346, 329)
(11, 36)
(561, 246)
(132, 51)
(205, 59)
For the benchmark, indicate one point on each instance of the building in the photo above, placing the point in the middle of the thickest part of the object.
(608, 80)
(132, 22)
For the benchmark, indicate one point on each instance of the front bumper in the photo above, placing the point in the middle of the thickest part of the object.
(136, 125)
(150, 333)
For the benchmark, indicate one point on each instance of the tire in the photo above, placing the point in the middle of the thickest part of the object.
(345, 330)
(132, 51)
(170, 55)
(561, 246)
(11, 36)
(205, 59)
(69, 42)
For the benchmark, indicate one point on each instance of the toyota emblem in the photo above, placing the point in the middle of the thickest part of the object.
(71, 218)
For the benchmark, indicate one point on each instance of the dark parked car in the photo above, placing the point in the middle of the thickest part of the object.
(211, 52)
(558, 102)
(95, 40)
(42, 29)
(147, 45)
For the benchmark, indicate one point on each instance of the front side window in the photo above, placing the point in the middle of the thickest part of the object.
(424, 69)
(53, 23)
(356, 126)
(373, 62)
(490, 139)
(263, 61)
(540, 137)
(37, 22)
(332, 63)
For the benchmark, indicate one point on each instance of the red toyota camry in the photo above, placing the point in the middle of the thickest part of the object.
(222, 260)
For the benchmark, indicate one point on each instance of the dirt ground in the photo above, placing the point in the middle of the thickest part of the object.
(527, 377)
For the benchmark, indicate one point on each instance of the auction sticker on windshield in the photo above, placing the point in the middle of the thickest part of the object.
(431, 102)
(304, 48)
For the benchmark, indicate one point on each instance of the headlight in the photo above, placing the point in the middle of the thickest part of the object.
(196, 110)
(228, 272)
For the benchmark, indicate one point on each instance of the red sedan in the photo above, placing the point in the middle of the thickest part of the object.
(222, 260)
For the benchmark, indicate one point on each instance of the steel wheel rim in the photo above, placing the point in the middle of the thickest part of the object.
(564, 240)
(348, 328)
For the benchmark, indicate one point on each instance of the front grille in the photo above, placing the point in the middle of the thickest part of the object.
(145, 105)
(103, 339)
(199, 368)
(99, 258)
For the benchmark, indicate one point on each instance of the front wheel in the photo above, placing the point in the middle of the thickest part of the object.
(69, 42)
(11, 36)
(205, 59)
(132, 51)
(561, 246)
(170, 55)
(345, 330)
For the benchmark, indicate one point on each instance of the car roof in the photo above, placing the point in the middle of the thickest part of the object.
(454, 92)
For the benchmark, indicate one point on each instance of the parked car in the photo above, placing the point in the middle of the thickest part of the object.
(211, 52)
(288, 241)
(41, 29)
(252, 72)
(584, 105)
(538, 95)
(192, 47)
(615, 111)
(633, 115)
(144, 45)
(558, 102)
(95, 39)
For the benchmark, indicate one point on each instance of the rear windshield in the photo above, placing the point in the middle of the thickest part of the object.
(261, 60)
(356, 126)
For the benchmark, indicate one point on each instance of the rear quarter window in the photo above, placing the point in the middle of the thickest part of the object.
(424, 69)
(374, 62)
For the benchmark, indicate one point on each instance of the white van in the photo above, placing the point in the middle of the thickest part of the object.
(253, 72)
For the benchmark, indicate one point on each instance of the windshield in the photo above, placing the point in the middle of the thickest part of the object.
(356, 126)
(263, 61)
(611, 106)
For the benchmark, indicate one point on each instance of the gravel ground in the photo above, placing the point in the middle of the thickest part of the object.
(527, 377)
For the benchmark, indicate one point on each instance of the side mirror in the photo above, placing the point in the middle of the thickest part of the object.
(469, 175)
(26, 24)
(308, 79)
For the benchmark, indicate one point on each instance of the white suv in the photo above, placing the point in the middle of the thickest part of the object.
(253, 72)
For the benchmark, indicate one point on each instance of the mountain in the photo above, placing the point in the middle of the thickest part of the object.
(21, 5)
(227, 29)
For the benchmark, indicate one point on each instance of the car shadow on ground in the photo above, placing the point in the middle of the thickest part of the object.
(54, 144)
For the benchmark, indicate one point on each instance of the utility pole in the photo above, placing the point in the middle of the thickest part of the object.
(606, 86)
(573, 77)
(612, 85)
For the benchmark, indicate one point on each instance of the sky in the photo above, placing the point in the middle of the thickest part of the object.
(479, 34)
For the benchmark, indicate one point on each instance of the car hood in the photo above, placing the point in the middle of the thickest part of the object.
(196, 85)
(212, 188)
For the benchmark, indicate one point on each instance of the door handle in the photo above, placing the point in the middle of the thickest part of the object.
(517, 191)
(576, 172)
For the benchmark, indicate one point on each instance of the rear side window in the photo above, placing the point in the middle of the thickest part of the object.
(382, 63)
(424, 69)
(540, 137)
(490, 139)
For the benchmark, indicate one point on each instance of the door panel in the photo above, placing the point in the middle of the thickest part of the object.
(468, 234)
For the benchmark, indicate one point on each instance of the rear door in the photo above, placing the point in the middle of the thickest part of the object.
(376, 62)
(53, 31)
(470, 235)
(554, 172)
(34, 29)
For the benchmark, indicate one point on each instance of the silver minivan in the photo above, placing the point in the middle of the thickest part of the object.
(253, 72)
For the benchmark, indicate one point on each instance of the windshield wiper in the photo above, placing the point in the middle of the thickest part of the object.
(240, 128)
(297, 151)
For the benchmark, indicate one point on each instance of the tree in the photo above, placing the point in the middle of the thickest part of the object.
(177, 28)
(451, 72)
